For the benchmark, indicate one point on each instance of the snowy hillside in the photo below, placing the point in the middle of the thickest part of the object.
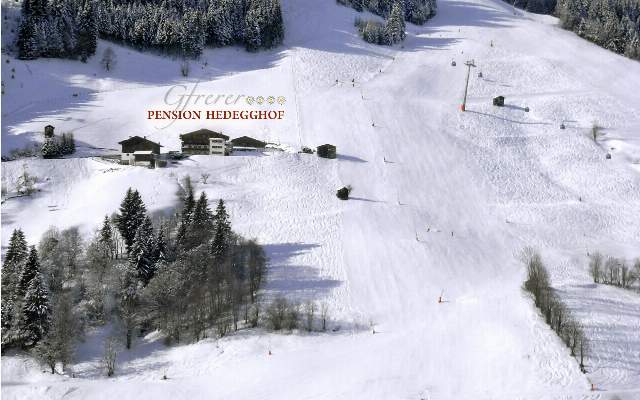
(443, 202)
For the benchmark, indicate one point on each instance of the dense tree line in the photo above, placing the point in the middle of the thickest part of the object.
(415, 11)
(612, 24)
(535, 6)
(187, 275)
(391, 32)
(57, 28)
(70, 28)
(613, 271)
(555, 312)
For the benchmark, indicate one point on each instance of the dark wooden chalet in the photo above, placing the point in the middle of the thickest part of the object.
(248, 142)
(137, 143)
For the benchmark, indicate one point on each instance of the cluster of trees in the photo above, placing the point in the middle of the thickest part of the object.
(283, 314)
(69, 28)
(535, 6)
(614, 25)
(415, 11)
(186, 274)
(555, 312)
(58, 147)
(57, 28)
(613, 271)
(391, 32)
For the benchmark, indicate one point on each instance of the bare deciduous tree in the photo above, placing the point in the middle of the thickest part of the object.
(110, 356)
(595, 266)
(184, 68)
(108, 60)
(324, 315)
(276, 313)
(309, 315)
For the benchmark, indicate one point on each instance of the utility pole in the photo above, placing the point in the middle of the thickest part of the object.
(469, 64)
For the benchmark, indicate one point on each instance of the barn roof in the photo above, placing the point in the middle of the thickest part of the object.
(137, 140)
(246, 141)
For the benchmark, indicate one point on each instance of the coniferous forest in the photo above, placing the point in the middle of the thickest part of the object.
(70, 28)
(612, 24)
(415, 11)
(187, 275)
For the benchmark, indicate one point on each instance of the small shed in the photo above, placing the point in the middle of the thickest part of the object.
(326, 151)
(48, 131)
(498, 101)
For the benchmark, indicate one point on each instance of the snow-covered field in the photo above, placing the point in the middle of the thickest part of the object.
(443, 202)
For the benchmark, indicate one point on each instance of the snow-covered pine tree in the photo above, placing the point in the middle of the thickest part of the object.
(132, 215)
(17, 250)
(222, 233)
(105, 237)
(141, 253)
(395, 26)
(28, 47)
(253, 28)
(87, 32)
(188, 207)
(35, 310)
(160, 247)
(51, 148)
(191, 34)
(15, 257)
(29, 271)
(202, 221)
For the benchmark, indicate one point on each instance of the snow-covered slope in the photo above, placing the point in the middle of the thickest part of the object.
(443, 202)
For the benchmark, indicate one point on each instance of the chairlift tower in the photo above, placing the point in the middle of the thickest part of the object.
(469, 64)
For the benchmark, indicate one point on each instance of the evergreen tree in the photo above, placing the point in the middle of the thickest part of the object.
(27, 43)
(160, 247)
(188, 207)
(51, 148)
(17, 250)
(202, 220)
(141, 254)
(87, 32)
(29, 271)
(35, 310)
(105, 237)
(222, 233)
(12, 268)
(132, 215)
(395, 27)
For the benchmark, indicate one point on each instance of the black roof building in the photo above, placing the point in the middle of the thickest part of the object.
(197, 142)
(246, 141)
(137, 143)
